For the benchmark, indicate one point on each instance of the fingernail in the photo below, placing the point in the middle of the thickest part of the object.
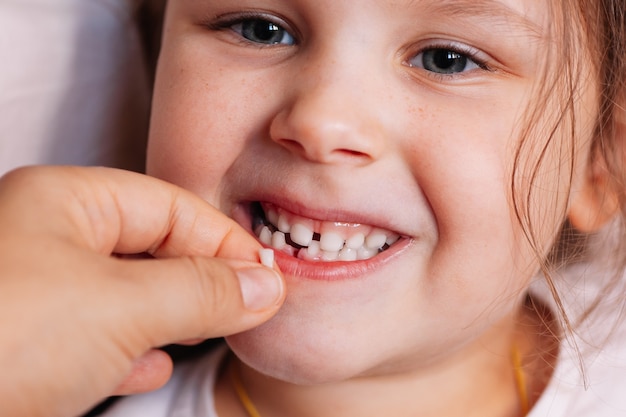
(260, 287)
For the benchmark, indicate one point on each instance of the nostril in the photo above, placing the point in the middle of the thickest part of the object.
(352, 153)
(293, 146)
(320, 153)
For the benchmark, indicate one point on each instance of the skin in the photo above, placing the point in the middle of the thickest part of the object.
(345, 125)
(56, 315)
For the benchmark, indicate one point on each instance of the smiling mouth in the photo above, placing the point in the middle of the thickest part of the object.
(315, 240)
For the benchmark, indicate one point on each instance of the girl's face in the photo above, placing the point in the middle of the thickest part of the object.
(386, 128)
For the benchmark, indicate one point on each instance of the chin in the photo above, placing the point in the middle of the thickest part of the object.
(295, 357)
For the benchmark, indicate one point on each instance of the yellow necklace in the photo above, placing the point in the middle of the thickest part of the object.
(520, 380)
(242, 394)
(518, 372)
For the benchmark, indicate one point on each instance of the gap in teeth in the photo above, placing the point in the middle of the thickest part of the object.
(315, 240)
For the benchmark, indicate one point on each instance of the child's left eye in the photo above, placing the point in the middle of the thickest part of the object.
(263, 31)
(445, 61)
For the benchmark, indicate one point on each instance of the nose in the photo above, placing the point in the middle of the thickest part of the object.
(331, 116)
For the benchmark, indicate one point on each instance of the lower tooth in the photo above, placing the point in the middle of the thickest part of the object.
(329, 256)
(355, 241)
(307, 255)
(348, 254)
(366, 253)
(314, 248)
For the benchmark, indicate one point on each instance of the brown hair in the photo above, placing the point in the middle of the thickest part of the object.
(149, 15)
(599, 26)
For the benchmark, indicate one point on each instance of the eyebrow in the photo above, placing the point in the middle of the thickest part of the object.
(493, 11)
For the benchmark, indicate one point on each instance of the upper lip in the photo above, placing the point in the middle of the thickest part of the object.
(331, 194)
(335, 211)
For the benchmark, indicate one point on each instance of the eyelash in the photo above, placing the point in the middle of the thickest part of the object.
(472, 55)
(231, 21)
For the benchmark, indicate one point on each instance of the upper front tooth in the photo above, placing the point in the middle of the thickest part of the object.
(265, 235)
(301, 234)
(355, 241)
(331, 242)
(283, 224)
(278, 240)
(392, 238)
(376, 239)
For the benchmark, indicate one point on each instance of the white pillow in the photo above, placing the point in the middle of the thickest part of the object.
(73, 84)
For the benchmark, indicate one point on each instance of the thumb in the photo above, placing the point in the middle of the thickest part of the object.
(187, 298)
(211, 297)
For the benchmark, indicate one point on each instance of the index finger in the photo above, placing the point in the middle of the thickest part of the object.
(110, 210)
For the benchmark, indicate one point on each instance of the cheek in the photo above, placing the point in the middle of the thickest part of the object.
(466, 174)
(201, 122)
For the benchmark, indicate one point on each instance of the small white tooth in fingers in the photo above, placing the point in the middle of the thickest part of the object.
(392, 238)
(265, 236)
(355, 241)
(278, 240)
(301, 234)
(267, 257)
(283, 224)
(329, 256)
(376, 239)
(347, 254)
(331, 242)
(366, 253)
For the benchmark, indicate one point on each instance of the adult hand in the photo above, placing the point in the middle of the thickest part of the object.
(75, 322)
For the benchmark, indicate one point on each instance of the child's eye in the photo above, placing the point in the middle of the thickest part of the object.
(445, 61)
(262, 31)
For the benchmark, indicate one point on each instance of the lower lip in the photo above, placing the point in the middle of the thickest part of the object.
(338, 270)
(327, 271)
